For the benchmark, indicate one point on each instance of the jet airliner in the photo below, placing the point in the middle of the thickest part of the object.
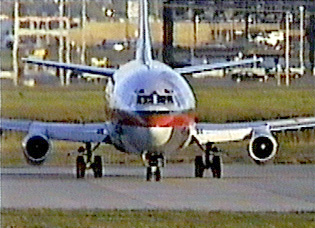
(152, 113)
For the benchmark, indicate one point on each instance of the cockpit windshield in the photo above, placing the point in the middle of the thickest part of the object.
(156, 88)
(155, 98)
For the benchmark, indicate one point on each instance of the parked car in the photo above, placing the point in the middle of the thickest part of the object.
(293, 73)
(248, 74)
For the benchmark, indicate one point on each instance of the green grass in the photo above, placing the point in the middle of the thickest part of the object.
(123, 218)
(54, 104)
(79, 104)
(86, 104)
(239, 104)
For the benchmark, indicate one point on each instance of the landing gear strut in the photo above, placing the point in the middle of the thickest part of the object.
(153, 162)
(211, 160)
(84, 161)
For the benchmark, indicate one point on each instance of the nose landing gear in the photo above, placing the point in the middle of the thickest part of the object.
(154, 162)
(211, 160)
(84, 162)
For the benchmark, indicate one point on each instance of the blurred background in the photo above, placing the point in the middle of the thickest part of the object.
(185, 32)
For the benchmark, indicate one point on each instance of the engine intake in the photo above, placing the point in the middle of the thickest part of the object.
(262, 148)
(36, 149)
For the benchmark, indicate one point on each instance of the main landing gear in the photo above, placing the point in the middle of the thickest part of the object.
(211, 160)
(154, 162)
(84, 162)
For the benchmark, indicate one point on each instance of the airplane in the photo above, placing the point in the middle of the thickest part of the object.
(152, 114)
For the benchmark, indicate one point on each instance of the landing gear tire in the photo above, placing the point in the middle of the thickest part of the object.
(81, 166)
(97, 167)
(153, 172)
(153, 162)
(216, 167)
(199, 167)
(149, 173)
(157, 174)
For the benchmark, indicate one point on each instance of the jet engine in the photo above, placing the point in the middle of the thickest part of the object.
(36, 149)
(262, 147)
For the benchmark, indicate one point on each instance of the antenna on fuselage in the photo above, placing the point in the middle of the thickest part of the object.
(144, 48)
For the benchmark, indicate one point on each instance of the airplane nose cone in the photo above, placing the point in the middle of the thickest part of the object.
(160, 135)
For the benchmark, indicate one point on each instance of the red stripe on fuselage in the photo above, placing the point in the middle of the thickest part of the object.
(155, 119)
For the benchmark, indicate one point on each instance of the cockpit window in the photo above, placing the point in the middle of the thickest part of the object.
(155, 98)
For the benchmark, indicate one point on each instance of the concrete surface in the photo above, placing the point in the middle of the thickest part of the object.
(243, 188)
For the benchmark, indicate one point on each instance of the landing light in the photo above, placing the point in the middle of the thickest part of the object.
(118, 47)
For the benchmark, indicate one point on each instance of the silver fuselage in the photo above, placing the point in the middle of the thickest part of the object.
(151, 107)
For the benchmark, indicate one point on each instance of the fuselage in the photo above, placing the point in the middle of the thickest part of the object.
(151, 106)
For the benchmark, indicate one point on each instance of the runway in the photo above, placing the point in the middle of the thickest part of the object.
(244, 188)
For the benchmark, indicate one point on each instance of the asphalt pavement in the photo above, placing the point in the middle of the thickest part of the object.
(246, 188)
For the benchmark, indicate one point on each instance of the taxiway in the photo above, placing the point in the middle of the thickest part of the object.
(244, 188)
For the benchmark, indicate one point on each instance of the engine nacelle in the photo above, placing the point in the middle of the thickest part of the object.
(36, 149)
(262, 147)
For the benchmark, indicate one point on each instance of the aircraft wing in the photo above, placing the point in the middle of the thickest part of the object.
(106, 72)
(218, 133)
(92, 132)
(214, 66)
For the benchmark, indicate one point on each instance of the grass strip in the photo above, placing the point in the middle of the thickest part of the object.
(87, 104)
(148, 218)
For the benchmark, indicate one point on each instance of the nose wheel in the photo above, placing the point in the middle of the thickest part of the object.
(154, 162)
(85, 161)
(211, 160)
(153, 172)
